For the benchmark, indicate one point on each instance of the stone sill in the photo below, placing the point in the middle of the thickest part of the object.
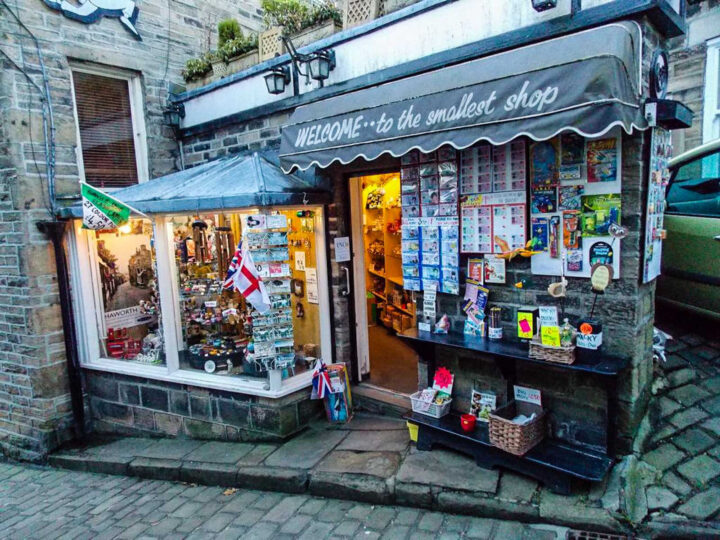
(203, 380)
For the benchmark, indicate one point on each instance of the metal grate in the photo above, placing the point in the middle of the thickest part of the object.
(573, 534)
(358, 12)
(269, 43)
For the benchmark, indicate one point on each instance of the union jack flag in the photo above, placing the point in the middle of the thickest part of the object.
(321, 381)
(242, 276)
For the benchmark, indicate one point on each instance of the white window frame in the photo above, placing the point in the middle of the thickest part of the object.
(88, 310)
(137, 116)
(711, 101)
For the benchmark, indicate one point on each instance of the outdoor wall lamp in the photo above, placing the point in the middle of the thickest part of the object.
(316, 65)
(173, 113)
(542, 5)
(277, 78)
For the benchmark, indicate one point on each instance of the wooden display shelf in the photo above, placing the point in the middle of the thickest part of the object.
(378, 274)
(607, 366)
(509, 357)
(406, 311)
(379, 295)
(397, 280)
(551, 462)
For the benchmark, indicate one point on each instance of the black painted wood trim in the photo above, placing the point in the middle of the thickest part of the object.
(659, 12)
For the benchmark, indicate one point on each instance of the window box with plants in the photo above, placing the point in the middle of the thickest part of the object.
(302, 22)
(235, 51)
(198, 72)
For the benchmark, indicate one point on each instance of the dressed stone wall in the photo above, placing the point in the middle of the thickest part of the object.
(146, 408)
(35, 412)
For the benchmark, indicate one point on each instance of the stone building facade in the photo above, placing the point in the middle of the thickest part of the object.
(689, 73)
(35, 411)
(34, 403)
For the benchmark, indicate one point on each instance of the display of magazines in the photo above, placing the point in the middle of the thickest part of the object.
(272, 342)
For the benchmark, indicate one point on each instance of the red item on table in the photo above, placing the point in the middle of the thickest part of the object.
(467, 422)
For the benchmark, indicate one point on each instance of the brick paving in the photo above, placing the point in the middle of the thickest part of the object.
(685, 440)
(44, 503)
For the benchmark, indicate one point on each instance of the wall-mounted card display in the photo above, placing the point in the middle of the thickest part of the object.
(485, 168)
(571, 215)
(660, 152)
(488, 216)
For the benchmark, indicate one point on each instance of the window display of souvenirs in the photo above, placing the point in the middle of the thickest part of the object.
(222, 332)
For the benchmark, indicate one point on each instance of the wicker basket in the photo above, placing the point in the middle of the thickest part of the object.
(558, 355)
(515, 438)
(436, 411)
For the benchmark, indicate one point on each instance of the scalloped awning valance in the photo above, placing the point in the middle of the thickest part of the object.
(586, 82)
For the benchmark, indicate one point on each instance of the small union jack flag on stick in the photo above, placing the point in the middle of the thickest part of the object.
(321, 385)
(242, 276)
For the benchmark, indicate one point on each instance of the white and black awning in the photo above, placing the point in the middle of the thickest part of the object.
(586, 82)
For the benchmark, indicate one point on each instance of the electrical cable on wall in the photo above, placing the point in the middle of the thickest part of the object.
(47, 112)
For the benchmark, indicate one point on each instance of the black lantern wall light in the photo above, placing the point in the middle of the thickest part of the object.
(542, 5)
(316, 65)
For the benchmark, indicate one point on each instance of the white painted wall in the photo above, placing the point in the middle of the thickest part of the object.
(445, 27)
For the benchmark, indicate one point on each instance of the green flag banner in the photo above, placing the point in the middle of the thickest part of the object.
(101, 211)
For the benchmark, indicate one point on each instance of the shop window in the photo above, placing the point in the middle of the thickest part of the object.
(127, 288)
(110, 131)
(222, 332)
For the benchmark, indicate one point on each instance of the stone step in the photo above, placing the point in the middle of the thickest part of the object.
(376, 400)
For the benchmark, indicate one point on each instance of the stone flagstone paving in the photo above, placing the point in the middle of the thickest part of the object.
(43, 503)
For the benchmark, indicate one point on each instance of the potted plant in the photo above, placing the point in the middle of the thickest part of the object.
(239, 53)
(197, 71)
(228, 30)
(302, 22)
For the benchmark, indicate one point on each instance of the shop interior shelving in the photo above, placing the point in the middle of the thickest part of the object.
(382, 246)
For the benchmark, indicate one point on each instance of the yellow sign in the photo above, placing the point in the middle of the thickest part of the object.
(526, 328)
(550, 336)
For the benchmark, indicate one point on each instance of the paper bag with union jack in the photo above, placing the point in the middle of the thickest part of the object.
(242, 276)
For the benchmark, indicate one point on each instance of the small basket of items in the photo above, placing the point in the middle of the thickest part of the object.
(518, 426)
(553, 343)
(435, 401)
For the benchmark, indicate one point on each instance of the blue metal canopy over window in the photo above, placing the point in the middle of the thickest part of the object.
(586, 82)
(236, 182)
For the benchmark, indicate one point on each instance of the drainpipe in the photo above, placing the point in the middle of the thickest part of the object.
(55, 230)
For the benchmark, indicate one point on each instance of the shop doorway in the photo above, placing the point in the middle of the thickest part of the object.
(383, 307)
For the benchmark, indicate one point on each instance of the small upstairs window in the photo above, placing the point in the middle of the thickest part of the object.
(111, 133)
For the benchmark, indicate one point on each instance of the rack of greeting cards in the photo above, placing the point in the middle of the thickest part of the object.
(272, 341)
(429, 190)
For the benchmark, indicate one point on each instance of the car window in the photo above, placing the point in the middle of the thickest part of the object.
(695, 189)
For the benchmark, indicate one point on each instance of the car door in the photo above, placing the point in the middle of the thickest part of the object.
(691, 252)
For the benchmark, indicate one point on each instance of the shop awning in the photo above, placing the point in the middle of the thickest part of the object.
(586, 82)
(236, 182)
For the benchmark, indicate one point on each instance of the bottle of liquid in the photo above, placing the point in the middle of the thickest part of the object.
(566, 334)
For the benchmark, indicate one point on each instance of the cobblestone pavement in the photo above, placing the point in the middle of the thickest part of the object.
(40, 502)
(684, 445)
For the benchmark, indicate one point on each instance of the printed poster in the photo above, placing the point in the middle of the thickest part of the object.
(572, 156)
(602, 160)
(544, 157)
